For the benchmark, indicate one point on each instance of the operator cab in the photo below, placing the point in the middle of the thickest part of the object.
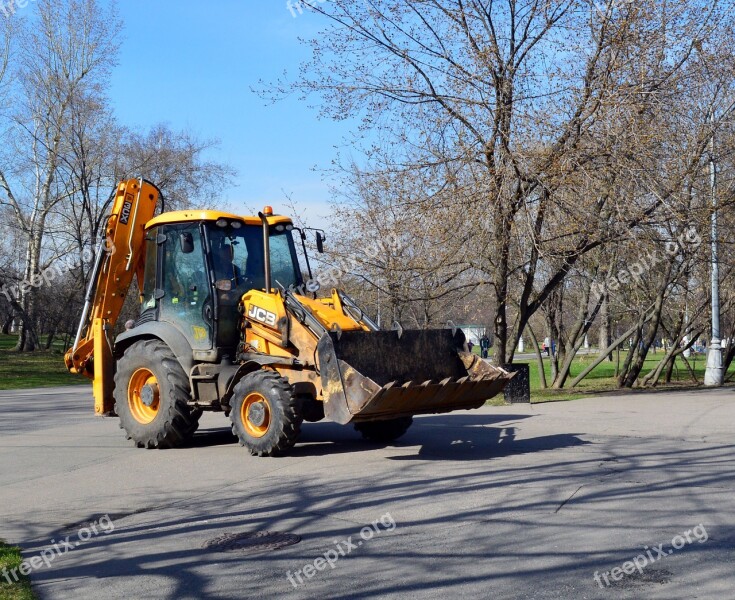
(198, 266)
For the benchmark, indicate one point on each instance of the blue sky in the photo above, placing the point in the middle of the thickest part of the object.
(192, 65)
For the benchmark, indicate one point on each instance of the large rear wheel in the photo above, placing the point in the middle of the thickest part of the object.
(265, 413)
(151, 397)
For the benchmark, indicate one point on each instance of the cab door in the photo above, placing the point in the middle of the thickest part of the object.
(186, 298)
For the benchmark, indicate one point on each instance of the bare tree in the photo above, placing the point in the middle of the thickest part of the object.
(64, 152)
(535, 115)
(63, 58)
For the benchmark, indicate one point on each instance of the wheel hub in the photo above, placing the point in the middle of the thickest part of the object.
(257, 414)
(143, 396)
(148, 394)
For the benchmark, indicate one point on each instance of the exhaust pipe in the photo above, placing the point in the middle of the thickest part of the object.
(267, 211)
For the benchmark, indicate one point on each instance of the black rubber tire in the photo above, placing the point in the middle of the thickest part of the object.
(285, 420)
(311, 409)
(384, 431)
(175, 423)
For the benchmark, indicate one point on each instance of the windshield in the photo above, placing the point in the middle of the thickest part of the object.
(237, 257)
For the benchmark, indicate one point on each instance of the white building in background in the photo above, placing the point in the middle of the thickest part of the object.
(474, 333)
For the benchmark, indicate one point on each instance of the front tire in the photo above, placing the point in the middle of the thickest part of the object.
(265, 413)
(151, 397)
(384, 431)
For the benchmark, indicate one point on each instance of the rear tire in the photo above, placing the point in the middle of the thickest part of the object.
(384, 431)
(265, 414)
(151, 397)
(312, 410)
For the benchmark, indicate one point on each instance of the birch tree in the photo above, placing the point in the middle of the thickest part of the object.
(62, 58)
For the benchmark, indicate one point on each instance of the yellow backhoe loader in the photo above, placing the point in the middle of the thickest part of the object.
(225, 324)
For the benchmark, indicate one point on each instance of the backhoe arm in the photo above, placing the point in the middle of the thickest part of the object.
(120, 257)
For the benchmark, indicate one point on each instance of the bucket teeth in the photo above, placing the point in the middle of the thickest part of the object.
(370, 376)
(452, 393)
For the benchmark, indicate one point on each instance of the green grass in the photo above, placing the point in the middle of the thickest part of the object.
(46, 368)
(42, 368)
(10, 558)
(602, 378)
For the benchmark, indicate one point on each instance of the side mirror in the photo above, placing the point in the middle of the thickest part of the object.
(186, 240)
(320, 242)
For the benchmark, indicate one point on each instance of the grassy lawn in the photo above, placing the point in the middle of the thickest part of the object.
(602, 378)
(46, 368)
(10, 559)
(43, 368)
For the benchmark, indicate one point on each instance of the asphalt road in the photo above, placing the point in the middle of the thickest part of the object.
(504, 502)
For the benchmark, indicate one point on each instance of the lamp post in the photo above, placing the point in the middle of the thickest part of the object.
(713, 372)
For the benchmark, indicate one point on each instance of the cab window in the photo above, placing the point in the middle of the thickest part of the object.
(185, 285)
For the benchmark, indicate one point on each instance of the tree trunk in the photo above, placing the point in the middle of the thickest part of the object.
(692, 374)
(643, 343)
(28, 326)
(605, 334)
(577, 339)
(603, 355)
(21, 343)
(729, 356)
(632, 353)
(28, 340)
(500, 329)
(553, 349)
(539, 358)
(667, 362)
(502, 235)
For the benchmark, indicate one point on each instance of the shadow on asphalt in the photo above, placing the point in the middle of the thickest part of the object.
(446, 437)
(206, 438)
(188, 570)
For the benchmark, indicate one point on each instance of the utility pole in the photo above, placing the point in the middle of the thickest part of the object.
(713, 372)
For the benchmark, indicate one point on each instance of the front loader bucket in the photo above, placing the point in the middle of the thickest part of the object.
(380, 375)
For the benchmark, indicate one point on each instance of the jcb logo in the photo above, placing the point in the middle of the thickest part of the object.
(125, 214)
(262, 315)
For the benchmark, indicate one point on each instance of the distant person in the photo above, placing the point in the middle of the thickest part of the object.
(485, 346)
(470, 345)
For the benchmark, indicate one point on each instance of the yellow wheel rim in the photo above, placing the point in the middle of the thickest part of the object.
(255, 415)
(143, 396)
